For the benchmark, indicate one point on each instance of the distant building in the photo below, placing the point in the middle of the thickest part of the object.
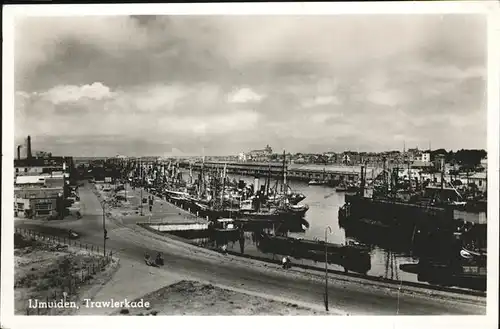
(39, 196)
(419, 164)
(439, 162)
(480, 180)
(242, 157)
(38, 166)
(260, 155)
(346, 159)
(484, 163)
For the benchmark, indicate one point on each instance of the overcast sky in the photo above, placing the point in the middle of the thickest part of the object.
(166, 85)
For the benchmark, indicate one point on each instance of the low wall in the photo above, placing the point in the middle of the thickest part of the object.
(176, 227)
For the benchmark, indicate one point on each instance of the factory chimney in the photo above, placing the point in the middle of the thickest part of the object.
(28, 154)
(19, 152)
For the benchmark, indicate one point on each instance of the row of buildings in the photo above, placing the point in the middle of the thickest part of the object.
(42, 184)
(415, 157)
(343, 158)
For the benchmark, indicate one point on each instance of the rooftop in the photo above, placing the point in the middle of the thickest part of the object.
(41, 162)
(40, 179)
(422, 164)
(37, 192)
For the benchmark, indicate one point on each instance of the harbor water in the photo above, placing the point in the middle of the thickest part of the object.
(324, 203)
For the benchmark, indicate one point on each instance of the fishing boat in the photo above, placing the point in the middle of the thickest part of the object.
(346, 188)
(295, 198)
(464, 265)
(292, 197)
(352, 257)
(177, 196)
(299, 210)
(225, 225)
(320, 182)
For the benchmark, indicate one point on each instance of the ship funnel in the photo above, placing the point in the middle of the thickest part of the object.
(255, 185)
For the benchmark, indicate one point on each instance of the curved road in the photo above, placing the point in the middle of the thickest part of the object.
(353, 296)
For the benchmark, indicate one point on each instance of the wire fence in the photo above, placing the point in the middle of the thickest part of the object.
(65, 285)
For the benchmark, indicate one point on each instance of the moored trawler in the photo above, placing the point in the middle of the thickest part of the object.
(466, 268)
(292, 197)
(397, 209)
(404, 216)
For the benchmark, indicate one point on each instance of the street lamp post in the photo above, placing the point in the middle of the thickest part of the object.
(105, 232)
(142, 205)
(140, 168)
(328, 228)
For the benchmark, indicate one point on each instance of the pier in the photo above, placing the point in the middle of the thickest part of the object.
(293, 171)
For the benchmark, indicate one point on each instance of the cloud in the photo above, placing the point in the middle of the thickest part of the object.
(38, 38)
(238, 83)
(387, 97)
(244, 95)
(68, 93)
(320, 100)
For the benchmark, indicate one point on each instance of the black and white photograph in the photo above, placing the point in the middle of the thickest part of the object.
(327, 163)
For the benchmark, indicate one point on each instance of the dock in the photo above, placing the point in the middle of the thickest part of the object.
(293, 171)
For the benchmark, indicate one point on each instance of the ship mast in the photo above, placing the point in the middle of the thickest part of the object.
(268, 180)
(284, 172)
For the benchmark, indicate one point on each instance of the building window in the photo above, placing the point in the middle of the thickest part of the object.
(17, 170)
(43, 206)
(480, 182)
(25, 169)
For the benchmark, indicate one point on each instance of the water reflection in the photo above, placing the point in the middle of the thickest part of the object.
(387, 250)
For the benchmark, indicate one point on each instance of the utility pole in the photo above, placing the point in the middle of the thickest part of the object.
(409, 175)
(140, 169)
(284, 172)
(328, 228)
(105, 233)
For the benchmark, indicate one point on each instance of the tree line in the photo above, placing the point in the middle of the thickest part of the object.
(468, 158)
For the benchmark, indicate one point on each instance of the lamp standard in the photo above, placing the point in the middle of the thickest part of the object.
(140, 168)
(328, 228)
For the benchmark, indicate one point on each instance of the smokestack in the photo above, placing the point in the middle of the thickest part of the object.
(28, 154)
(19, 152)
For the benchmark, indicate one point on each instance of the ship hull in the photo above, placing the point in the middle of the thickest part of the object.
(352, 258)
(399, 215)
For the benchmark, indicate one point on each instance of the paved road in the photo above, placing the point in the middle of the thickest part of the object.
(347, 295)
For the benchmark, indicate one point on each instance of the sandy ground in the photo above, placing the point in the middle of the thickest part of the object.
(196, 298)
(171, 294)
(119, 287)
(45, 271)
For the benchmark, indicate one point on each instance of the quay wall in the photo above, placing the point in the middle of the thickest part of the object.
(178, 227)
